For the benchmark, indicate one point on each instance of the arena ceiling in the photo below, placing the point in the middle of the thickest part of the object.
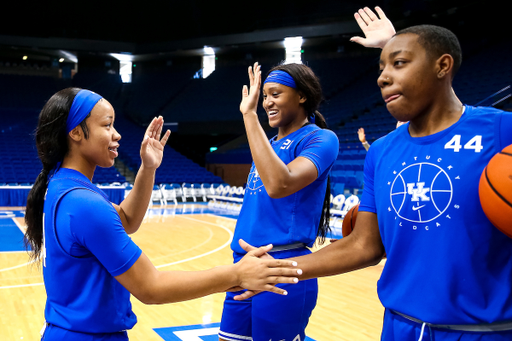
(157, 27)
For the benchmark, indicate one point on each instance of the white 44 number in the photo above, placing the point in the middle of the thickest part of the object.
(475, 143)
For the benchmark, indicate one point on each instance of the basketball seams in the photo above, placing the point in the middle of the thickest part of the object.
(349, 221)
(494, 189)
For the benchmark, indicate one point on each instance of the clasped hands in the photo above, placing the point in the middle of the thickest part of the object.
(261, 272)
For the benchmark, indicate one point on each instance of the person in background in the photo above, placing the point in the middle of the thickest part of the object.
(362, 138)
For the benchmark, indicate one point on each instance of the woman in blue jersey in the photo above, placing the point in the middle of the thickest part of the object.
(286, 200)
(90, 264)
(448, 273)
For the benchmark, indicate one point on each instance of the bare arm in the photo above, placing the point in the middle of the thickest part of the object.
(151, 286)
(362, 248)
(134, 207)
(279, 179)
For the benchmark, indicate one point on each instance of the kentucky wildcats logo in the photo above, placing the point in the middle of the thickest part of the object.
(421, 192)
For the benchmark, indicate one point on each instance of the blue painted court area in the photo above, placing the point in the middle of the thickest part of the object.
(11, 237)
(203, 332)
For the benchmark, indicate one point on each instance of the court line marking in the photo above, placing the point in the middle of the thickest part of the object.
(219, 216)
(210, 237)
(207, 253)
(7, 214)
(22, 286)
(23, 228)
(17, 266)
(159, 266)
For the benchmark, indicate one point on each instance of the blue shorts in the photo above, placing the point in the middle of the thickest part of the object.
(53, 332)
(398, 328)
(268, 316)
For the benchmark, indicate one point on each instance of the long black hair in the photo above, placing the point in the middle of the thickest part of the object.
(52, 147)
(308, 85)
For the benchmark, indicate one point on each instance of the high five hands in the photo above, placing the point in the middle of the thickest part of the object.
(152, 147)
(262, 254)
(377, 29)
(251, 95)
(260, 272)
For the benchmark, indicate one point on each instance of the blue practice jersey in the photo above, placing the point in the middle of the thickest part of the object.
(85, 246)
(446, 263)
(295, 218)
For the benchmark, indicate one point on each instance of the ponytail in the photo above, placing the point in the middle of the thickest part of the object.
(324, 228)
(52, 147)
(34, 214)
(319, 119)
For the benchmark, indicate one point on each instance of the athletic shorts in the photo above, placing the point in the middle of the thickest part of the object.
(268, 316)
(398, 328)
(54, 333)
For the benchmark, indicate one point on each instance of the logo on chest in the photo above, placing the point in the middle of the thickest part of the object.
(254, 182)
(421, 192)
(425, 191)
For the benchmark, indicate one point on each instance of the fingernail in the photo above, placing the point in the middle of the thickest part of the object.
(295, 280)
(294, 264)
(285, 293)
(299, 272)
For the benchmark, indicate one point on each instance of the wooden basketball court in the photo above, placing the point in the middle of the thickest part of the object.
(183, 237)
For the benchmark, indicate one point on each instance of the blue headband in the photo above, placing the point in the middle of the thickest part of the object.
(281, 77)
(82, 105)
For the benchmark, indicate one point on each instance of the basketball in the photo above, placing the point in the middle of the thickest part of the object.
(495, 190)
(349, 221)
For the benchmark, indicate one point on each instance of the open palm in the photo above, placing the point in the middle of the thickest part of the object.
(377, 29)
(152, 147)
(251, 95)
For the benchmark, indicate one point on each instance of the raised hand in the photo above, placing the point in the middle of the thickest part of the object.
(261, 274)
(361, 135)
(251, 95)
(377, 29)
(152, 147)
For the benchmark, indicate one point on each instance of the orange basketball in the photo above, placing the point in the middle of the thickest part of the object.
(349, 221)
(495, 190)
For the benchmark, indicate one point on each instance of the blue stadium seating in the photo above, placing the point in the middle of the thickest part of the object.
(352, 100)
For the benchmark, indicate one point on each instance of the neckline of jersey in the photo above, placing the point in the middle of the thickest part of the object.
(70, 173)
(466, 112)
(274, 139)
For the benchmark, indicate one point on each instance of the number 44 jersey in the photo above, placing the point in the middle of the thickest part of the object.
(446, 263)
